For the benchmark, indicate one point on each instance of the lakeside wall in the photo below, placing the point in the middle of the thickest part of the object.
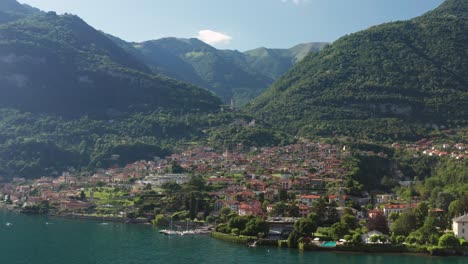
(105, 218)
(363, 248)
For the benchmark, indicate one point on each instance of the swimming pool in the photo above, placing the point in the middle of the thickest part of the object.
(328, 244)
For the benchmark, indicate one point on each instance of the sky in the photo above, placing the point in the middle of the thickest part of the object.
(237, 24)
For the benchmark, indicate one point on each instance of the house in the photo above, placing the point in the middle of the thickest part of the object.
(219, 204)
(220, 181)
(281, 226)
(309, 199)
(384, 198)
(159, 180)
(460, 226)
(285, 184)
(374, 213)
(304, 210)
(233, 205)
(340, 200)
(253, 207)
(396, 208)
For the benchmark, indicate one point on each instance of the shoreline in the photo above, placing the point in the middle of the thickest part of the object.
(362, 249)
(234, 239)
(82, 217)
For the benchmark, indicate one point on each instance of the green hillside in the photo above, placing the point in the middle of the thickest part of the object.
(11, 10)
(59, 64)
(72, 98)
(229, 74)
(273, 63)
(396, 80)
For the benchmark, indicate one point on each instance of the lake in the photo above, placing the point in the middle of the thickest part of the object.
(46, 240)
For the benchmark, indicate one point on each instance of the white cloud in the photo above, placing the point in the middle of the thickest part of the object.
(212, 37)
(296, 2)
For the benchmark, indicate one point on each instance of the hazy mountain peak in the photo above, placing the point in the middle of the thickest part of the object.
(457, 8)
(11, 6)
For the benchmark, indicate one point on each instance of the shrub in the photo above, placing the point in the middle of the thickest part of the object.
(449, 241)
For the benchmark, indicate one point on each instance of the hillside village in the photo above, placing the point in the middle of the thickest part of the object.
(299, 168)
(274, 183)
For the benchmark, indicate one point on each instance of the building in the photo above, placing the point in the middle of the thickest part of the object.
(384, 198)
(252, 207)
(460, 226)
(281, 226)
(396, 208)
(309, 199)
(159, 180)
(304, 210)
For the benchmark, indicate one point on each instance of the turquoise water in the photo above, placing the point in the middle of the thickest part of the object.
(31, 241)
(329, 244)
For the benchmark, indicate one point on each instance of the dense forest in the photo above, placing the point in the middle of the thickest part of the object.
(393, 81)
(59, 64)
(34, 145)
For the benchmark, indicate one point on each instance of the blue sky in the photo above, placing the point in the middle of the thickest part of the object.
(238, 24)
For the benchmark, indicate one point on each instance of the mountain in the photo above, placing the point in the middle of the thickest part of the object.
(70, 98)
(11, 10)
(396, 80)
(229, 74)
(273, 63)
(60, 64)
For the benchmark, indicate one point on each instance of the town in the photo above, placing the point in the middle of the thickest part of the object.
(281, 186)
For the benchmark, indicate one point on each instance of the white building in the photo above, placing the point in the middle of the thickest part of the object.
(159, 180)
(384, 198)
(460, 226)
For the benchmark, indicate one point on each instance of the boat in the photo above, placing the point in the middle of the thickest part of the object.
(168, 232)
(254, 244)
(8, 224)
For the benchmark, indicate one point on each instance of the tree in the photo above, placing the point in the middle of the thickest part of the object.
(459, 206)
(405, 224)
(449, 241)
(292, 211)
(196, 183)
(238, 222)
(350, 220)
(160, 220)
(357, 239)
(305, 227)
(443, 200)
(339, 230)
(293, 239)
(378, 223)
(329, 216)
(421, 212)
(283, 195)
(302, 228)
(393, 216)
(171, 187)
(175, 167)
(225, 211)
(278, 209)
(82, 196)
(256, 227)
